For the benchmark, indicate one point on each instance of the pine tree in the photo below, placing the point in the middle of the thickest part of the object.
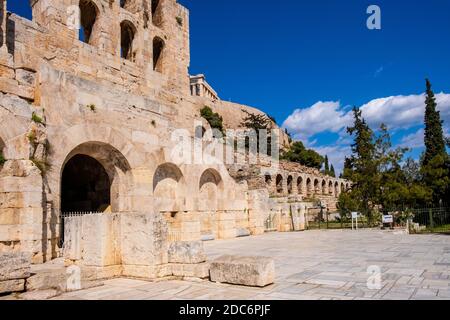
(332, 172)
(362, 168)
(434, 167)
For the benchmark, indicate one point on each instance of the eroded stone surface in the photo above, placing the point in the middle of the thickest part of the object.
(187, 252)
(14, 266)
(242, 270)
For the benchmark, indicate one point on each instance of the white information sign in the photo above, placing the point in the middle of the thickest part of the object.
(388, 219)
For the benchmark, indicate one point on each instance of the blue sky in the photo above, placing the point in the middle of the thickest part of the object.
(307, 62)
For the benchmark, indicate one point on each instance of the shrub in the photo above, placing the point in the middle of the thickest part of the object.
(214, 119)
(35, 118)
(2, 159)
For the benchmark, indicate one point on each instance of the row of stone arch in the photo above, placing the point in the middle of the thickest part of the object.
(89, 17)
(305, 185)
(96, 177)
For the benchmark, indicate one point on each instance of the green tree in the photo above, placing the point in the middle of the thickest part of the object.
(214, 119)
(326, 170)
(332, 172)
(434, 166)
(258, 122)
(299, 154)
(363, 169)
(2, 158)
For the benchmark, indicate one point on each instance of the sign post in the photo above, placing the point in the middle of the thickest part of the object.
(354, 218)
(388, 219)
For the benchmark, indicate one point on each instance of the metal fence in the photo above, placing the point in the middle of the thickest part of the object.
(432, 218)
(65, 215)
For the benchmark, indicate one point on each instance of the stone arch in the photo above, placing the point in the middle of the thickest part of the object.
(316, 186)
(309, 190)
(324, 187)
(347, 187)
(330, 188)
(342, 187)
(336, 189)
(300, 185)
(290, 182)
(279, 183)
(168, 187)
(268, 179)
(89, 13)
(200, 132)
(103, 179)
(156, 13)
(158, 54)
(127, 39)
(210, 188)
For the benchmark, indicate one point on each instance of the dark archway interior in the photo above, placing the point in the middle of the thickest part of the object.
(126, 41)
(85, 186)
(156, 14)
(88, 16)
(2, 156)
(158, 46)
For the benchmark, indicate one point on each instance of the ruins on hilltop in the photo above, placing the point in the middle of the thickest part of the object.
(86, 130)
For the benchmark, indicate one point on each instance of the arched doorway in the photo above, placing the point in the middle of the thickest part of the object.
(85, 186)
(210, 185)
(94, 178)
(324, 187)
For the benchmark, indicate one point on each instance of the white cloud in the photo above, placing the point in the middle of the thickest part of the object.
(320, 117)
(397, 112)
(414, 140)
(336, 155)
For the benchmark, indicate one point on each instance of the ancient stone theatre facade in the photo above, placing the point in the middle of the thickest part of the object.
(90, 94)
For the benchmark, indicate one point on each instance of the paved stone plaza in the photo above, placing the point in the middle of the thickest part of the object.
(314, 265)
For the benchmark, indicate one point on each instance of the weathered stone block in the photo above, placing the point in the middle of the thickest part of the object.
(14, 266)
(188, 252)
(8, 286)
(240, 270)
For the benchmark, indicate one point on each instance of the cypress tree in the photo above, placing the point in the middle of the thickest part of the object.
(332, 172)
(435, 171)
(434, 135)
(327, 166)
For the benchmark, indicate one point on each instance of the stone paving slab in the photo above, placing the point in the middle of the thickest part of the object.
(313, 265)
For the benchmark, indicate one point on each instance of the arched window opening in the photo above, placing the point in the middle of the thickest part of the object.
(268, 179)
(300, 185)
(127, 35)
(279, 183)
(290, 184)
(158, 48)
(156, 13)
(330, 188)
(200, 132)
(324, 187)
(316, 187)
(309, 190)
(88, 17)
